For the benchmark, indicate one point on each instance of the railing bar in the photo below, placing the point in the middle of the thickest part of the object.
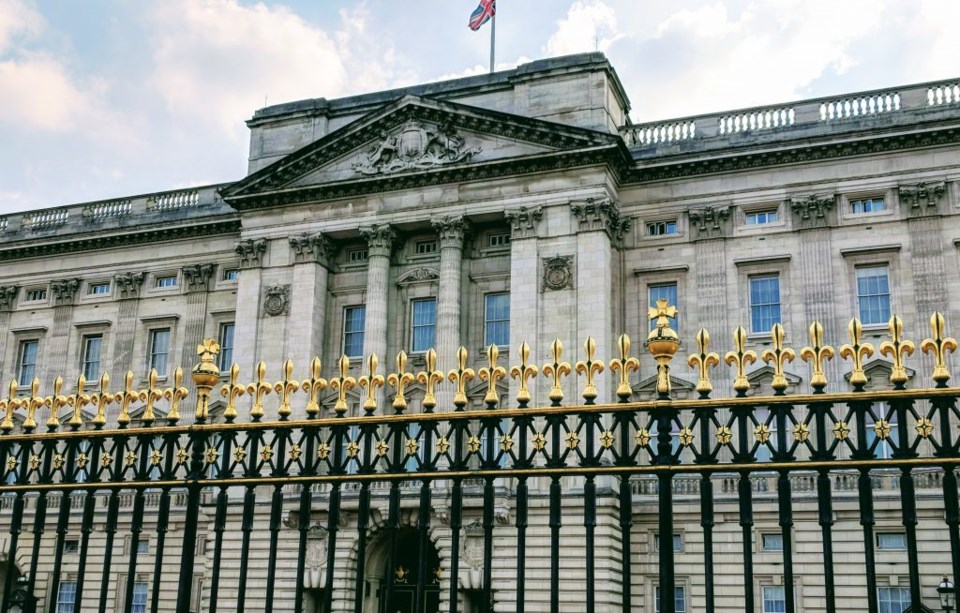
(219, 526)
(456, 522)
(276, 516)
(398, 435)
(908, 499)
(40, 513)
(590, 524)
(521, 536)
(859, 409)
(113, 509)
(16, 520)
(63, 521)
(664, 417)
(626, 522)
(249, 502)
(555, 425)
(784, 497)
(86, 527)
(363, 519)
(707, 522)
(745, 436)
(163, 522)
(490, 425)
(423, 516)
(310, 435)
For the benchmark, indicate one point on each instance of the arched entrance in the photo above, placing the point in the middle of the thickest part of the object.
(405, 576)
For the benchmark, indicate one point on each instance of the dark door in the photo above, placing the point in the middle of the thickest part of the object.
(405, 577)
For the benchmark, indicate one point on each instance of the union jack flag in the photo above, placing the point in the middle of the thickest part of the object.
(482, 14)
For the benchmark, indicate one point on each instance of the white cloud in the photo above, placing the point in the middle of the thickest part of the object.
(17, 19)
(589, 25)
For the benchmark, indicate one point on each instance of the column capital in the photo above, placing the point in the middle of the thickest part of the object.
(128, 285)
(64, 291)
(524, 221)
(812, 211)
(381, 239)
(251, 252)
(923, 198)
(8, 294)
(710, 221)
(451, 230)
(600, 215)
(198, 277)
(312, 248)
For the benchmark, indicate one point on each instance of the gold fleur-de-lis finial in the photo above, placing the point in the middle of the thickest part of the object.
(429, 377)
(897, 349)
(231, 391)
(33, 403)
(313, 386)
(78, 400)
(285, 389)
(258, 390)
(460, 376)
(128, 395)
(856, 351)
(491, 374)
(740, 357)
(703, 359)
(371, 381)
(343, 384)
(401, 379)
(624, 365)
(939, 345)
(153, 394)
(523, 371)
(557, 369)
(816, 353)
(57, 402)
(779, 355)
(175, 395)
(589, 367)
(102, 398)
(10, 404)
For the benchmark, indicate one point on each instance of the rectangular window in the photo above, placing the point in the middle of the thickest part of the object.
(867, 205)
(764, 302)
(71, 546)
(66, 596)
(357, 255)
(425, 247)
(759, 218)
(893, 599)
(774, 599)
(90, 360)
(892, 541)
(873, 294)
(499, 240)
(497, 320)
(231, 274)
(99, 289)
(166, 281)
(27, 362)
(226, 345)
(662, 228)
(679, 599)
(677, 543)
(771, 542)
(139, 602)
(159, 350)
(143, 546)
(424, 325)
(35, 295)
(662, 291)
(353, 321)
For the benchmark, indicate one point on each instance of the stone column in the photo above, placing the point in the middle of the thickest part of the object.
(196, 280)
(308, 301)
(8, 296)
(451, 231)
(64, 293)
(128, 294)
(246, 334)
(380, 242)
(524, 294)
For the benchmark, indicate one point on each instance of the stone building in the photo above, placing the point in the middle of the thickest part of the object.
(518, 206)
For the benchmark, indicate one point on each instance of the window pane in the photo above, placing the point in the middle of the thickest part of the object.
(66, 596)
(666, 291)
(139, 602)
(27, 363)
(764, 303)
(353, 324)
(894, 541)
(424, 325)
(497, 324)
(159, 348)
(772, 542)
(893, 599)
(873, 294)
(226, 345)
(774, 599)
(90, 365)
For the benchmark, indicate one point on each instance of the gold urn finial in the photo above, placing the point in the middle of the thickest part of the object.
(343, 384)
(779, 355)
(175, 395)
(285, 388)
(401, 379)
(205, 375)
(816, 353)
(589, 367)
(702, 360)
(662, 343)
(523, 371)
(460, 376)
(491, 374)
(939, 346)
(856, 351)
(429, 377)
(897, 349)
(371, 382)
(557, 369)
(624, 365)
(313, 386)
(740, 357)
(231, 391)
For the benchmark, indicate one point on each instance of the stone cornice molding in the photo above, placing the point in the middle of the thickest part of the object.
(451, 231)
(312, 248)
(524, 221)
(922, 198)
(709, 221)
(600, 215)
(8, 293)
(812, 211)
(251, 252)
(381, 239)
(198, 277)
(128, 284)
(64, 291)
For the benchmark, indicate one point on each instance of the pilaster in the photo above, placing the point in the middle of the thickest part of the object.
(380, 242)
(710, 226)
(308, 300)
(127, 293)
(64, 294)
(197, 288)
(451, 232)
(249, 284)
(8, 296)
(524, 295)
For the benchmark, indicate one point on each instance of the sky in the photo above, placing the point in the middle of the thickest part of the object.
(109, 98)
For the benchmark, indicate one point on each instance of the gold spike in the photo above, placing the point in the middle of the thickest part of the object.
(101, 399)
(313, 386)
(34, 402)
(590, 367)
(371, 381)
(231, 391)
(153, 394)
(258, 390)
(9, 405)
(78, 400)
(127, 396)
(491, 374)
(897, 349)
(740, 357)
(205, 375)
(523, 371)
(342, 384)
(779, 356)
(285, 389)
(57, 402)
(856, 351)
(703, 360)
(429, 377)
(557, 370)
(816, 353)
(175, 394)
(624, 365)
(939, 345)
(460, 376)
(401, 379)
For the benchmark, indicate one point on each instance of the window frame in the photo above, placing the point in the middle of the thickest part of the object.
(487, 319)
(36, 301)
(661, 228)
(651, 303)
(92, 287)
(880, 533)
(763, 599)
(230, 275)
(414, 326)
(426, 248)
(136, 601)
(85, 361)
(66, 606)
(226, 349)
(863, 200)
(22, 380)
(750, 302)
(685, 598)
(157, 279)
(763, 543)
(858, 296)
(344, 332)
(678, 542)
(499, 240)
(771, 216)
(901, 590)
(151, 338)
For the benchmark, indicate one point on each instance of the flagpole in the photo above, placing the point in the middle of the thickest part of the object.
(493, 39)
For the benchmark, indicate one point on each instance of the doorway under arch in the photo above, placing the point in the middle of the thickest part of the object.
(404, 570)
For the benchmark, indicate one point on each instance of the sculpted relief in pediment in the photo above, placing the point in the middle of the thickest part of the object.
(415, 147)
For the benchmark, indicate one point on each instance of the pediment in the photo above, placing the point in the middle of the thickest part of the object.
(765, 374)
(408, 138)
(878, 372)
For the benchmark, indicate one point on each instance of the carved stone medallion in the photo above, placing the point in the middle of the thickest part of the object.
(276, 300)
(415, 147)
(471, 548)
(558, 272)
